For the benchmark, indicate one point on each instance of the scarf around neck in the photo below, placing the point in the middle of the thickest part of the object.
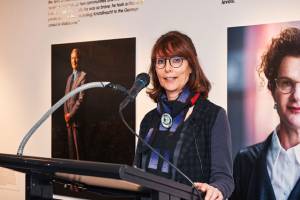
(172, 114)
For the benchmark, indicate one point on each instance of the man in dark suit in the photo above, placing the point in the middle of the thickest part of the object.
(73, 104)
(271, 169)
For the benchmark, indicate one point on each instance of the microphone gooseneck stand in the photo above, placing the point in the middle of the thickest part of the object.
(60, 102)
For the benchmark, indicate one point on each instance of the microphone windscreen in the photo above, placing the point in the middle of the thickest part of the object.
(144, 78)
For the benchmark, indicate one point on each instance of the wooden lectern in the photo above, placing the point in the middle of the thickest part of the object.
(42, 173)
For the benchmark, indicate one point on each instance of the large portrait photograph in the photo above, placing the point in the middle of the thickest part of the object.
(88, 126)
(250, 103)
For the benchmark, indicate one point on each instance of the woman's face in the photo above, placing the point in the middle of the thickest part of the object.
(288, 105)
(170, 78)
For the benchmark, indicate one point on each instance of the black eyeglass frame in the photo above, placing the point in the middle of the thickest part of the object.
(170, 61)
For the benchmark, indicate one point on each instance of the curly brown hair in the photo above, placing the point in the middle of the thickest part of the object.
(286, 44)
(176, 43)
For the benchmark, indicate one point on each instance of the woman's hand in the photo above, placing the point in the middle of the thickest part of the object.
(211, 193)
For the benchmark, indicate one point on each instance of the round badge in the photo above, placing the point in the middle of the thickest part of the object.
(166, 120)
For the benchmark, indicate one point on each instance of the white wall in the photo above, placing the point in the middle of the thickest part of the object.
(25, 50)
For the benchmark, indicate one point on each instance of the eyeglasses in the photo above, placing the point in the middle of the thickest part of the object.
(175, 61)
(286, 85)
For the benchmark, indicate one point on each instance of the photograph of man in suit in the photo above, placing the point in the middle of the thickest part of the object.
(73, 104)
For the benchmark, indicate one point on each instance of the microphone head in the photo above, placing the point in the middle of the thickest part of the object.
(143, 78)
(141, 81)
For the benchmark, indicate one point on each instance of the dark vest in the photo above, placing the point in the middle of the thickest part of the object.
(194, 156)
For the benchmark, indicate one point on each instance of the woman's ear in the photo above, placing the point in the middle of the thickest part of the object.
(275, 102)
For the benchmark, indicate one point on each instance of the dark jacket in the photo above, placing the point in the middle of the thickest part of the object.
(251, 176)
(194, 158)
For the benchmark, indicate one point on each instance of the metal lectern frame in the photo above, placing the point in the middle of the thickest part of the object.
(41, 173)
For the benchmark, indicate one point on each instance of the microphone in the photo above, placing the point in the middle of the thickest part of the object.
(141, 81)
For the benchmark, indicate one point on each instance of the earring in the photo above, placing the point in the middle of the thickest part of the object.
(275, 106)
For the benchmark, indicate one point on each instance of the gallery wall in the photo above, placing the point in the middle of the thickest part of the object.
(27, 33)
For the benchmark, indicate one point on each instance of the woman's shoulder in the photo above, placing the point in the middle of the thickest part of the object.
(149, 117)
(151, 113)
(250, 154)
(207, 107)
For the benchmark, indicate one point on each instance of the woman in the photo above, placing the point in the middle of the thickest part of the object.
(271, 169)
(186, 128)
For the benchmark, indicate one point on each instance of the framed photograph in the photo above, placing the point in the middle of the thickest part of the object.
(93, 130)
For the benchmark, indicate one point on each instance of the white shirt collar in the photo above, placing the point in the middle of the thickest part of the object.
(276, 149)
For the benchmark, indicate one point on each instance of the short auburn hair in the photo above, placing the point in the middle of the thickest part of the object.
(175, 43)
